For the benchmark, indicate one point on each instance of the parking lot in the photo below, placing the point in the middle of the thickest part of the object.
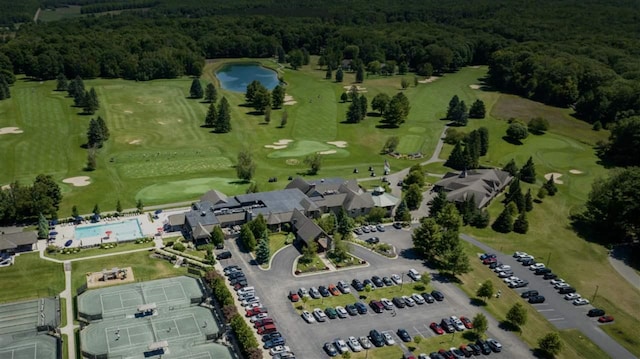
(306, 340)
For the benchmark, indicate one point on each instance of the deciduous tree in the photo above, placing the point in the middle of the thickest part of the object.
(550, 344)
(246, 167)
(538, 125)
(314, 162)
(480, 324)
(517, 131)
(413, 196)
(485, 290)
(517, 315)
(511, 167)
(391, 144)
(380, 102)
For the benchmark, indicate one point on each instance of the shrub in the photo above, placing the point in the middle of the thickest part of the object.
(178, 246)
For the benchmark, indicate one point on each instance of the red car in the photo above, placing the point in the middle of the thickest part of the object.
(446, 354)
(605, 319)
(436, 328)
(293, 296)
(467, 322)
(253, 311)
(263, 322)
(489, 260)
(333, 290)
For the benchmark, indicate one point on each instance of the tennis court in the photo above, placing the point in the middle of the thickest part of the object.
(184, 331)
(35, 347)
(125, 299)
(28, 316)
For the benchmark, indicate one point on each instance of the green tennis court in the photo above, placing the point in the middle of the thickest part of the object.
(36, 347)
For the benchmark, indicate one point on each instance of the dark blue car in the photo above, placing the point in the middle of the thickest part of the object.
(68, 243)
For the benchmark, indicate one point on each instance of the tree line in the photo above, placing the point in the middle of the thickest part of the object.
(20, 203)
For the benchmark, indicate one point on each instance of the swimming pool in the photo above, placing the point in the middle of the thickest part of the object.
(123, 231)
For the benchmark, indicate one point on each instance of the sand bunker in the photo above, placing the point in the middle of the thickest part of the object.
(339, 144)
(10, 130)
(79, 181)
(430, 79)
(556, 177)
(328, 152)
(135, 142)
(7, 186)
(283, 142)
(161, 123)
(275, 147)
(576, 172)
(128, 112)
(360, 88)
(288, 100)
(292, 161)
(475, 87)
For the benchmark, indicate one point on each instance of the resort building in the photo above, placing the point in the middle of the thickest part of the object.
(482, 184)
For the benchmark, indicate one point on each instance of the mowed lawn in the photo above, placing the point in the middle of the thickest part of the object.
(30, 277)
(159, 153)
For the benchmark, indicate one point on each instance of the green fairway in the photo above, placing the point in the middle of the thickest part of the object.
(30, 277)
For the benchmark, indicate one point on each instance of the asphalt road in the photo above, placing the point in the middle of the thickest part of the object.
(306, 340)
(560, 312)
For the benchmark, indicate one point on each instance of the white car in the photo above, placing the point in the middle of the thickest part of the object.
(354, 344)
(580, 301)
(388, 305)
(342, 313)
(308, 317)
(302, 292)
(410, 302)
(253, 305)
(341, 345)
(388, 339)
(259, 316)
(572, 296)
(396, 279)
(457, 323)
(319, 314)
(279, 350)
(556, 281)
(562, 285)
(344, 287)
(413, 274)
(250, 301)
(502, 268)
(511, 279)
(364, 341)
(417, 298)
(519, 254)
(245, 291)
(314, 293)
(536, 266)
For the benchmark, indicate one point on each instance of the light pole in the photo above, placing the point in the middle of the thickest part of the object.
(402, 281)
(594, 294)
(549, 259)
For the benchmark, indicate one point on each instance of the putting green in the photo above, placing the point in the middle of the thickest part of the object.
(192, 188)
(304, 148)
(410, 143)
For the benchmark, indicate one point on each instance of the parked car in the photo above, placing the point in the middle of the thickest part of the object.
(308, 317)
(279, 350)
(341, 345)
(323, 291)
(519, 254)
(342, 313)
(457, 353)
(376, 338)
(314, 293)
(387, 281)
(319, 315)
(418, 298)
(223, 255)
(484, 346)
(245, 290)
(457, 323)
(528, 261)
(410, 302)
(357, 231)
(357, 285)
(399, 302)
(536, 299)
(258, 317)
(269, 328)
(396, 279)
(505, 274)
(255, 311)
(366, 344)
(403, 334)
(388, 305)
(397, 225)
(330, 349)
(360, 307)
(271, 336)
(294, 297)
(333, 290)
(475, 348)
(331, 313)
(529, 293)
(344, 287)
(519, 283)
(388, 339)
(437, 295)
(248, 301)
(550, 275)
(376, 306)
(368, 282)
(414, 274)
(427, 297)
(487, 255)
(494, 345)
(447, 325)
(354, 344)
(495, 265)
(572, 296)
(373, 240)
(262, 322)
(351, 309)
(595, 312)
(489, 260)
(556, 281)
(605, 319)
(467, 322)
(566, 290)
(536, 266)
(436, 328)
(502, 268)
(446, 354)
(380, 228)
(580, 301)
(542, 271)
(377, 281)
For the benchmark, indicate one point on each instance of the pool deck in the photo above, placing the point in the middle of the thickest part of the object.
(68, 231)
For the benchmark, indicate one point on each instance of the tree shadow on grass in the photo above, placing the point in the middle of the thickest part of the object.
(470, 336)
(512, 140)
(477, 302)
(508, 326)
(383, 126)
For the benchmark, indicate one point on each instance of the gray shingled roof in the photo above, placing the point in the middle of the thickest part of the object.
(306, 228)
(277, 201)
(483, 184)
(176, 219)
(215, 197)
(13, 240)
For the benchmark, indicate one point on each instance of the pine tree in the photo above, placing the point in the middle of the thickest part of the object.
(360, 75)
(267, 115)
(363, 105)
(328, 75)
(262, 252)
(211, 118)
(76, 87)
(456, 158)
(61, 82)
(94, 134)
(196, 89)
(504, 222)
(344, 97)
(528, 172)
(402, 213)
(217, 237)
(284, 119)
(511, 168)
(528, 201)
(247, 238)
(277, 96)
(453, 105)
(118, 207)
(484, 140)
(521, 225)
(96, 210)
(550, 186)
(354, 114)
(104, 130)
(43, 227)
(223, 120)
(339, 75)
(210, 93)
(437, 204)
(5, 92)
(477, 109)
(139, 205)
(74, 211)
(91, 103)
(91, 159)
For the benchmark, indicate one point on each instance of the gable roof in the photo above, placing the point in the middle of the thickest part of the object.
(13, 240)
(306, 229)
(215, 197)
(482, 184)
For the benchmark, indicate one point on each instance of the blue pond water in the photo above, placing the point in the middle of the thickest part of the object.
(236, 77)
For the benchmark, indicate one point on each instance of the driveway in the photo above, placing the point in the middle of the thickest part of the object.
(559, 312)
(306, 340)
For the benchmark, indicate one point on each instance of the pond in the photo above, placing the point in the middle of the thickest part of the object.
(236, 77)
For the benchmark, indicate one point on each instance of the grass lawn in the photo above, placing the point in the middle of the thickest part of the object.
(536, 325)
(122, 247)
(63, 312)
(159, 153)
(316, 265)
(277, 241)
(30, 277)
(395, 291)
(65, 347)
(144, 267)
(324, 302)
(386, 352)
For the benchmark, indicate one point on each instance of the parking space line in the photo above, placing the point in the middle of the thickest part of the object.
(553, 319)
(546, 310)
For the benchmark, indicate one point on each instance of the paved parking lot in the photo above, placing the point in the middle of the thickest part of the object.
(306, 340)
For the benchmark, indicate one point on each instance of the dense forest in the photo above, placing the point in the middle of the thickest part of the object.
(579, 54)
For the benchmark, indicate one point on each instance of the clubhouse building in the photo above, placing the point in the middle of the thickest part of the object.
(481, 184)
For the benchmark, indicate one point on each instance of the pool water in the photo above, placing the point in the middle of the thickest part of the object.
(123, 231)
(237, 77)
